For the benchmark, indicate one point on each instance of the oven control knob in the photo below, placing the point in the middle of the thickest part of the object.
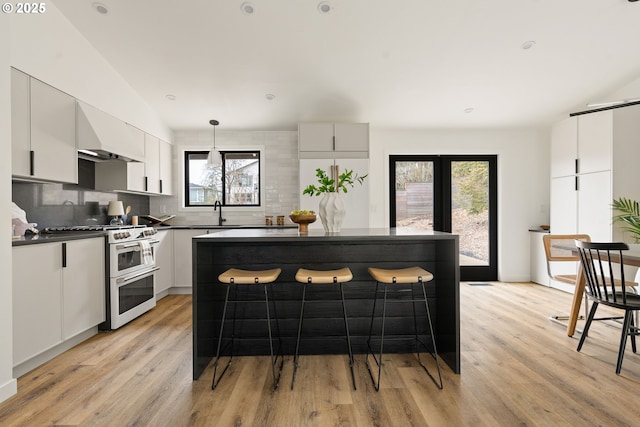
(119, 236)
(126, 235)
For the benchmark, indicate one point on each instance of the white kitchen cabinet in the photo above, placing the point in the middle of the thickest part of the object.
(153, 176)
(166, 168)
(43, 131)
(538, 267)
(20, 127)
(182, 260)
(37, 299)
(331, 140)
(116, 175)
(607, 146)
(53, 302)
(152, 163)
(356, 200)
(83, 286)
(165, 261)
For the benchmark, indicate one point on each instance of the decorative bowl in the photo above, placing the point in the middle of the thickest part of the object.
(303, 221)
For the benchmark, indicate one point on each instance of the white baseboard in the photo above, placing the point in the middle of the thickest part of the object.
(8, 389)
(180, 291)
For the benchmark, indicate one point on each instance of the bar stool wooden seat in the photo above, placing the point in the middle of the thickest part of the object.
(386, 277)
(307, 277)
(232, 278)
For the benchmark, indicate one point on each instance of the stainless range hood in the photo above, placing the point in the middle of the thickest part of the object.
(104, 137)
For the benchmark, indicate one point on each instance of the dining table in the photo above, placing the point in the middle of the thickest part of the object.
(630, 258)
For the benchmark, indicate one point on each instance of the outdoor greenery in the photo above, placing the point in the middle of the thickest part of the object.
(472, 179)
(629, 215)
(329, 185)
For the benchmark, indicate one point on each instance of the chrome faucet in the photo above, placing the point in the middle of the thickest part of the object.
(217, 206)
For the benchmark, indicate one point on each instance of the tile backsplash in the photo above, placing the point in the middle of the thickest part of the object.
(51, 205)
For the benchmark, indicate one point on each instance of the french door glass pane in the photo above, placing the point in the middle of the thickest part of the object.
(414, 195)
(470, 210)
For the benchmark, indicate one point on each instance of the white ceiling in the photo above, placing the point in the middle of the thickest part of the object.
(407, 63)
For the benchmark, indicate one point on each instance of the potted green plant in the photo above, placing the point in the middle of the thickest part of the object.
(331, 208)
(629, 215)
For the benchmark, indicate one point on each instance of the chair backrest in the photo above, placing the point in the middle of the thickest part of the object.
(601, 262)
(557, 248)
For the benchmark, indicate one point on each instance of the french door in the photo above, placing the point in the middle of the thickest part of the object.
(456, 194)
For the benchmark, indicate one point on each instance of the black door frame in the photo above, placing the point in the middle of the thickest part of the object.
(442, 204)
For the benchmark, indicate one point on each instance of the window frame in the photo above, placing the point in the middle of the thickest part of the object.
(186, 205)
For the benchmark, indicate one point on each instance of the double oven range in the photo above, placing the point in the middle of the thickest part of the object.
(130, 267)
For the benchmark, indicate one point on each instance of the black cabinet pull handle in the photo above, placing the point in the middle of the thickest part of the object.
(146, 183)
(577, 165)
(161, 186)
(64, 255)
(577, 183)
(32, 156)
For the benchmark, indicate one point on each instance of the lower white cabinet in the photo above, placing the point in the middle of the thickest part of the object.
(53, 302)
(538, 266)
(164, 260)
(183, 260)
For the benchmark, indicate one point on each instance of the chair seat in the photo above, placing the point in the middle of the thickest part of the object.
(402, 275)
(324, 276)
(248, 277)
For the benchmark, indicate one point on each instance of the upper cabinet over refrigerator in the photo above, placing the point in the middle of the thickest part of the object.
(333, 140)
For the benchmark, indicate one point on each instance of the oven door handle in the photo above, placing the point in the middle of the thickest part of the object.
(135, 245)
(121, 280)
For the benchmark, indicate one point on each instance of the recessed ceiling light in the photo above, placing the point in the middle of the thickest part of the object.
(528, 44)
(100, 8)
(270, 97)
(324, 7)
(247, 8)
(468, 110)
(170, 97)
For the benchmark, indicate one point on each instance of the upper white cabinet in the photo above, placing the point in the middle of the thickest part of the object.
(43, 131)
(593, 160)
(152, 163)
(332, 140)
(153, 176)
(166, 168)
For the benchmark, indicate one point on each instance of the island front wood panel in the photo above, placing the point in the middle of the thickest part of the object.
(323, 330)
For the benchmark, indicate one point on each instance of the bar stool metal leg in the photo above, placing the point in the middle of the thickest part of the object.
(295, 358)
(434, 354)
(346, 328)
(377, 359)
(215, 365)
(274, 359)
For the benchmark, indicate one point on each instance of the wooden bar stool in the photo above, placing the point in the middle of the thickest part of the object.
(323, 277)
(411, 275)
(232, 278)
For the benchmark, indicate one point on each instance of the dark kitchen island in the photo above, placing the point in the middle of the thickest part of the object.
(358, 249)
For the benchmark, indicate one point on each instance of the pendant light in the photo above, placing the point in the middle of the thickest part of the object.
(215, 158)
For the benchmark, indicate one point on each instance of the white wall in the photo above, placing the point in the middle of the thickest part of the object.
(48, 47)
(523, 181)
(8, 385)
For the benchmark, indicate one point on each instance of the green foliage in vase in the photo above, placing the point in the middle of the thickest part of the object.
(329, 185)
(629, 215)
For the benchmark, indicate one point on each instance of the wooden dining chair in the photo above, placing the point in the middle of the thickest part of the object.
(562, 265)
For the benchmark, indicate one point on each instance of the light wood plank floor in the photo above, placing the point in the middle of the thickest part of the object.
(518, 368)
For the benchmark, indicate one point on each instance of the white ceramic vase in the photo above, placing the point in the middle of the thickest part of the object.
(331, 211)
